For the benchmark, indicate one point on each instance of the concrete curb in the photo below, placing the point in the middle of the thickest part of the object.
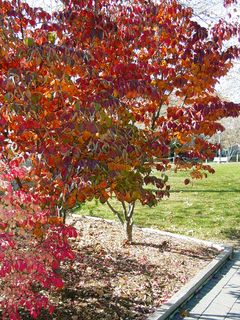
(168, 308)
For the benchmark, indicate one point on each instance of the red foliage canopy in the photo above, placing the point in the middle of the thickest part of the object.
(93, 98)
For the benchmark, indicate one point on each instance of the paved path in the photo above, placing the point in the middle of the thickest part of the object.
(219, 299)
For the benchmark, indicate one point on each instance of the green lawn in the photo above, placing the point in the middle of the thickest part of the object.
(208, 209)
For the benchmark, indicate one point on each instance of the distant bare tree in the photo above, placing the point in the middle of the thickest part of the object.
(230, 137)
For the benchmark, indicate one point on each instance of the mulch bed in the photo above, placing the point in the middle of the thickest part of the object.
(112, 280)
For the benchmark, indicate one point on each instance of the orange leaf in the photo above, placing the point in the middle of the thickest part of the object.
(131, 94)
(81, 197)
(38, 231)
(128, 197)
(86, 135)
(102, 185)
(55, 220)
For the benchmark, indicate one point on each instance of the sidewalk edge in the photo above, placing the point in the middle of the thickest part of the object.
(191, 287)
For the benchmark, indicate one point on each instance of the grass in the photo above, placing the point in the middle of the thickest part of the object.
(206, 209)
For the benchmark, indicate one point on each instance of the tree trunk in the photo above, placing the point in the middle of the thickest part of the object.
(125, 218)
(128, 227)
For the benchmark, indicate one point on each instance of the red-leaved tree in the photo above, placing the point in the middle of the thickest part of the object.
(98, 95)
(33, 243)
(93, 99)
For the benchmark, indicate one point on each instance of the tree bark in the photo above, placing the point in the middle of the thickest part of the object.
(128, 226)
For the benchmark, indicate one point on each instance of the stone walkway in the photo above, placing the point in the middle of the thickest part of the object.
(219, 299)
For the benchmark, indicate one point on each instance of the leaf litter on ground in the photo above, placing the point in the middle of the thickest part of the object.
(112, 280)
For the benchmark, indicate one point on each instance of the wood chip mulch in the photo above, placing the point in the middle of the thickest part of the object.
(112, 280)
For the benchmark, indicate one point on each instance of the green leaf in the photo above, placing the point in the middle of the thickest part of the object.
(52, 37)
(29, 42)
(165, 177)
(35, 98)
(108, 121)
(7, 97)
(97, 107)
(77, 106)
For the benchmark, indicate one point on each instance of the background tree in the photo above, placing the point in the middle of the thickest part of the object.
(229, 138)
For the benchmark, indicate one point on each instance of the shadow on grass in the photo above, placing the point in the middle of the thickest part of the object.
(206, 191)
(232, 234)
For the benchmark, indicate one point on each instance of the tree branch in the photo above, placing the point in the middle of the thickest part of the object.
(19, 183)
(20, 18)
(124, 209)
(131, 209)
(115, 212)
